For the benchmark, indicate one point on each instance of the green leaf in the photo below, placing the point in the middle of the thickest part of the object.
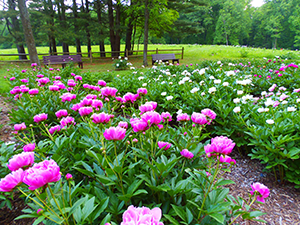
(38, 220)
(218, 217)
(189, 215)
(224, 182)
(256, 214)
(106, 219)
(180, 212)
(88, 208)
(171, 219)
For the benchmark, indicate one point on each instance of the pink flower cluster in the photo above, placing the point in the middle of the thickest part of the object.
(67, 97)
(114, 133)
(40, 117)
(262, 191)
(61, 113)
(219, 145)
(109, 92)
(35, 177)
(66, 121)
(29, 147)
(187, 154)
(183, 117)
(101, 118)
(102, 83)
(20, 127)
(141, 216)
(147, 107)
(84, 111)
(22, 160)
(164, 145)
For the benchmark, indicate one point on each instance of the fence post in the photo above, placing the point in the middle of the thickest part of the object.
(156, 50)
(182, 52)
(126, 53)
(91, 56)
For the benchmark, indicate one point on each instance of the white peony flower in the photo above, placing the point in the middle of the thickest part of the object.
(164, 93)
(237, 109)
(141, 78)
(240, 92)
(225, 84)
(201, 82)
(169, 98)
(291, 109)
(179, 111)
(203, 93)
(270, 121)
(264, 93)
(212, 77)
(219, 62)
(212, 90)
(236, 100)
(269, 102)
(261, 110)
(202, 71)
(284, 102)
(217, 81)
(298, 100)
(144, 84)
(195, 89)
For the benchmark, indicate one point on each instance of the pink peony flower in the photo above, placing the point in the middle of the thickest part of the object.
(67, 121)
(87, 86)
(114, 133)
(24, 80)
(129, 97)
(20, 126)
(53, 88)
(147, 107)
(71, 83)
(100, 118)
(97, 104)
(61, 113)
(84, 111)
(141, 216)
(57, 77)
(187, 154)
(86, 102)
(262, 190)
(24, 89)
(67, 97)
(226, 159)
(41, 174)
(69, 176)
(221, 144)
(276, 103)
(199, 118)
(166, 116)
(54, 129)
(154, 104)
(209, 113)
(12, 78)
(77, 77)
(135, 140)
(11, 180)
(22, 160)
(102, 83)
(164, 145)
(73, 74)
(40, 75)
(108, 92)
(138, 125)
(75, 107)
(39, 211)
(40, 117)
(183, 117)
(151, 118)
(29, 147)
(91, 96)
(123, 124)
(142, 91)
(43, 81)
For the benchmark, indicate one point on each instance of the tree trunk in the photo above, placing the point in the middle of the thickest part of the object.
(146, 28)
(114, 29)
(88, 35)
(28, 33)
(15, 28)
(129, 36)
(101, 35)
(63, 21)
(77, 40)
(52, 37)
(111, 26)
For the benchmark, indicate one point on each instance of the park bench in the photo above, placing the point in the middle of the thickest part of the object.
(62, 59)
(164, 58)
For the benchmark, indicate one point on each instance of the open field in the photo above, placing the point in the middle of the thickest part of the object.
(193, 54)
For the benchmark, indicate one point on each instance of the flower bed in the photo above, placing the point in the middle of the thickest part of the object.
(124, 150)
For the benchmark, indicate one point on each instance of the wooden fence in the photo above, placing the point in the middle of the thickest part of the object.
(97, 55)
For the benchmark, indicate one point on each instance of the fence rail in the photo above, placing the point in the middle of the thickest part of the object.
(98, 55)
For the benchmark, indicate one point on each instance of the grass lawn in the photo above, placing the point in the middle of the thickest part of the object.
(192, 54)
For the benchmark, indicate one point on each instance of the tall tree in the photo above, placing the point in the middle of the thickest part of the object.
(76, 28)
(98, 6)
(28, 32)
(14, 28)
(146, 30)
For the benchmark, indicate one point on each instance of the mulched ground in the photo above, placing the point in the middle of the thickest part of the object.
(282, 207)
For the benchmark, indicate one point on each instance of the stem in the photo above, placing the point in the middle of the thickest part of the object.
(206, 194)
(115, 147)
(58, 205)
(183, 165)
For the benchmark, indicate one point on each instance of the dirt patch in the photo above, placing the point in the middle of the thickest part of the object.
(5, 126)
(283, 204)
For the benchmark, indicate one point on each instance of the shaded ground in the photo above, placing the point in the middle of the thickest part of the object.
(282, 207)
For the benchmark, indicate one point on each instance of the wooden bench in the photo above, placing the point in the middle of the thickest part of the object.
(164, 58)
(62, 59)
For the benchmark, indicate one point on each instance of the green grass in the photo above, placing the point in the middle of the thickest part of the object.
(192, 54)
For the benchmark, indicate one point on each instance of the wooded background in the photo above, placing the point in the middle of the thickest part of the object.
(276, 24)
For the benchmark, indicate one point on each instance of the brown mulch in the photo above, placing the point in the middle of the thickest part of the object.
(282, 206)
